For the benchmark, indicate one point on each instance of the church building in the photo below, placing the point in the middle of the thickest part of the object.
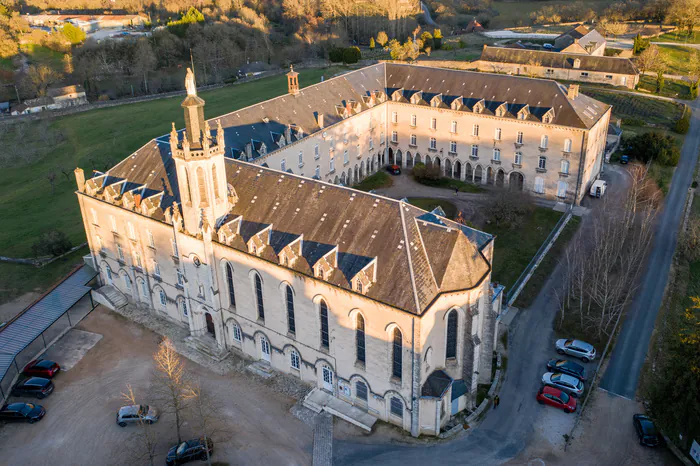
(232, 228)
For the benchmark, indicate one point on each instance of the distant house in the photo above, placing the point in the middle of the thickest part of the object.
(55, 98)
(474, 26)
(559, 65)
(581, 40)
(88, 23)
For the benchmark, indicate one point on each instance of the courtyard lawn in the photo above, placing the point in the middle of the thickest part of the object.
(97, 140)
(451, 184)
(680, 37)
(381, 179)
(427, 203)
(515, 247)
(639, 109)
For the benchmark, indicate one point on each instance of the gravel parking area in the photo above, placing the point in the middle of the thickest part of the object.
(79, 427)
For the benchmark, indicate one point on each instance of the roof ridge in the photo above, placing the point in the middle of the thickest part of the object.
(410, 261)
(430, 266)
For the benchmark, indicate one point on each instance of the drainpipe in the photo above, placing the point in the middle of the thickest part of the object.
(415, 377)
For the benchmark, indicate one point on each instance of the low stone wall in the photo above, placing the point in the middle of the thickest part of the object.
(452, 64)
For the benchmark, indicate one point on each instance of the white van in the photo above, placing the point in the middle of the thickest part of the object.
(598, 188)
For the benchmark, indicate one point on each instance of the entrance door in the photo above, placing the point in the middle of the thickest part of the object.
(328, 379)
(265, 349)
(210, 324)
(455, 406)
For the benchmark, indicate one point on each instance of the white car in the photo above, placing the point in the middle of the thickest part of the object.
(577, 348)
(566, 383)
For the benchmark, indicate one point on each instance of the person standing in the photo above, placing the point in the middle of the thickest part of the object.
(496, 401)
(456, 190)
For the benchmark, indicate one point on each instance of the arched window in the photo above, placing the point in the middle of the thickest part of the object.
(544, 141)
(163, 298)
(397, 357)
(361, 390)
(183, 307)
(325, 340)
(236, 332)
(127, 282)
(229, 281)
(290, 309)
(259, 297)
(202, 185)
(188, 192)
(451, 349)
(567, 145)
(396, 406)
(215, 181)
(295, 360)
(144, 287)
(360, 337)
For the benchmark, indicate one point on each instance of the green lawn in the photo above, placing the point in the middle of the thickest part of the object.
(379, 180)
(643, 109)
(681, 37)
(517, 13)
(16, 280)
(429, 204)
(451, 183)
(96, 140)
(515, 247)
(39, 54)
(672, 87)
(677, 58)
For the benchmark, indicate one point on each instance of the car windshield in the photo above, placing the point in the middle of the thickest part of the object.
(26, 409)
(143, 410)
(564, 397)
(561, 363)
(568, 342)
(181, 448)
(648, 428)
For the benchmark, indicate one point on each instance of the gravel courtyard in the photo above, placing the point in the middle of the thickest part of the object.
(79, 427)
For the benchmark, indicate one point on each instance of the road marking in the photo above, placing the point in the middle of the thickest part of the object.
(615, 394)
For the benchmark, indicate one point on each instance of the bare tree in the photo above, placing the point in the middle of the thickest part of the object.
(615, 29)
(145, 439)
(650, 59)
(42, 77)
(171, 382)
(204, 410)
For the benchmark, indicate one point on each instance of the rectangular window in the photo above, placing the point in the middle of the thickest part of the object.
(180, 279)
(518, 158)
(539, 185)
(317, 172)
(519, 138)
(453, 127)
(544, 141)
(130, 230)
(381, 138)
(394, 117)
(361, 391)
(113, 221)
(453, 147)
(93, 212)
(99, 245)
(475, 150)
(394, 136)
(301, 159)
(151, 241)
(144, 289)
(120, 252)
(497, 155)
(565, 167)
(414, 120)
(542, 163)
(433, 123)
(567, 145)
(316, 152)
(497, 134)
(331, 165)
(236, 333)
(137, 259)
(371, 143)
(156, 269)
(396, 407)
(283, 165)
(413, 140)
(346, 158)
(475, 130)
(433, 143)
(173, 243)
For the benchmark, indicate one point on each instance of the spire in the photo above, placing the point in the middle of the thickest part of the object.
(194, 111)
(174, 140)
(190, 84)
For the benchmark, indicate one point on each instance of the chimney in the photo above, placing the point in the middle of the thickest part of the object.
(293, 81)
(573, 91)
(288, 134)
(319, 118)
(80, 179)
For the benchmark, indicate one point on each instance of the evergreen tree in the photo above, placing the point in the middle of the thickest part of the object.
(371, 43)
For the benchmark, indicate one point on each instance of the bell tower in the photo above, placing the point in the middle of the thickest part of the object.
(293, 81)
(200, 165)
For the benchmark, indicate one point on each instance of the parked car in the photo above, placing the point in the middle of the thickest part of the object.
(598, 188)
(554, 397)
(135, 413)
(41, 368)
(577, 348)
(190, 450)
(38, 387)
(624, 159)
(548, 46)
(565, 366)
(26, 412)
(570, 385)
(394, 169)
(646, 431)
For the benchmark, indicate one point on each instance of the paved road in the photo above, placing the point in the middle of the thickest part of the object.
(622, 374)
(426, 13)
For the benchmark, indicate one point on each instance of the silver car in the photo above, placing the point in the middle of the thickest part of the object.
(567, 383)
(136, 413)
(577, 348)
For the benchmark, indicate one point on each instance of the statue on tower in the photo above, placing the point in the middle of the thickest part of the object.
(189, 83)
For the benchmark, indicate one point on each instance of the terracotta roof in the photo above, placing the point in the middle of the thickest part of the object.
(558, 60)
(577, 32)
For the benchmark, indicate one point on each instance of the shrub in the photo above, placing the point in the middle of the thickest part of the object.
(52, 243)
(427, 39)
(382, 38)
(73, 34)
(371, 43)
(437, 39)
(655, 146)
(352, 55)
(336, 54)
(634, 121)
(461, 44)
(682, 125)
(421, 172)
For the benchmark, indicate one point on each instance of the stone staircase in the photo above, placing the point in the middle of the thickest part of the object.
(110, 297)
(318, 400)
(207, 348)
(263, 369)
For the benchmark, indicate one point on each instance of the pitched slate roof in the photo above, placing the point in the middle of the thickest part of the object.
(583, 36)
(559, 60)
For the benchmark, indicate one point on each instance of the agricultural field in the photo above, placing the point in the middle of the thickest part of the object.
(638, 110)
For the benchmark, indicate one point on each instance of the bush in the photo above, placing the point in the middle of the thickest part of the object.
(52, 243)
(371, 43)
(509, 208)
(437, 39)
(682, 125)
(634, 121)
(352, 55)
(73, 34)
(423, 173)
(336, 54)
(612, 52)
(655, 146)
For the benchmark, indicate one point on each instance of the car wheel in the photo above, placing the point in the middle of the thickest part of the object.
(540, 402)
(585, 359)
(32, 421)
(561, 351)
(568, 411)
(122, 424)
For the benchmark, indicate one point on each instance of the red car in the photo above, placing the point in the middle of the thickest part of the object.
(41, 368)
(557, 398)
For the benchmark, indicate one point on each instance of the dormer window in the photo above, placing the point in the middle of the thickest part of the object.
(478, 108)
(254, 250)
(359, 286)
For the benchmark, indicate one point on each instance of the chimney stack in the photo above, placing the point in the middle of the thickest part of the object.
(573, 91)
(80, 179)
(319, 118)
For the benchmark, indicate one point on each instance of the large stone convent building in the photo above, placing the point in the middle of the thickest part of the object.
(238, 228)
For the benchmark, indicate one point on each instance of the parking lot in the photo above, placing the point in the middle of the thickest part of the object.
(107, 353)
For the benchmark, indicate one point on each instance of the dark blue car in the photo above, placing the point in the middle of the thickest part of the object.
(190, 450)
(564, 366)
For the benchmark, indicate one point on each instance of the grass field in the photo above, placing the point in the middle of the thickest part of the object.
(379, 180)
(626, 106)
(672, 87)
(681, 37)
(427, 203)
(517, 13)
(677, 58)
(98, 139)
(451, 183)
(38, 54)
